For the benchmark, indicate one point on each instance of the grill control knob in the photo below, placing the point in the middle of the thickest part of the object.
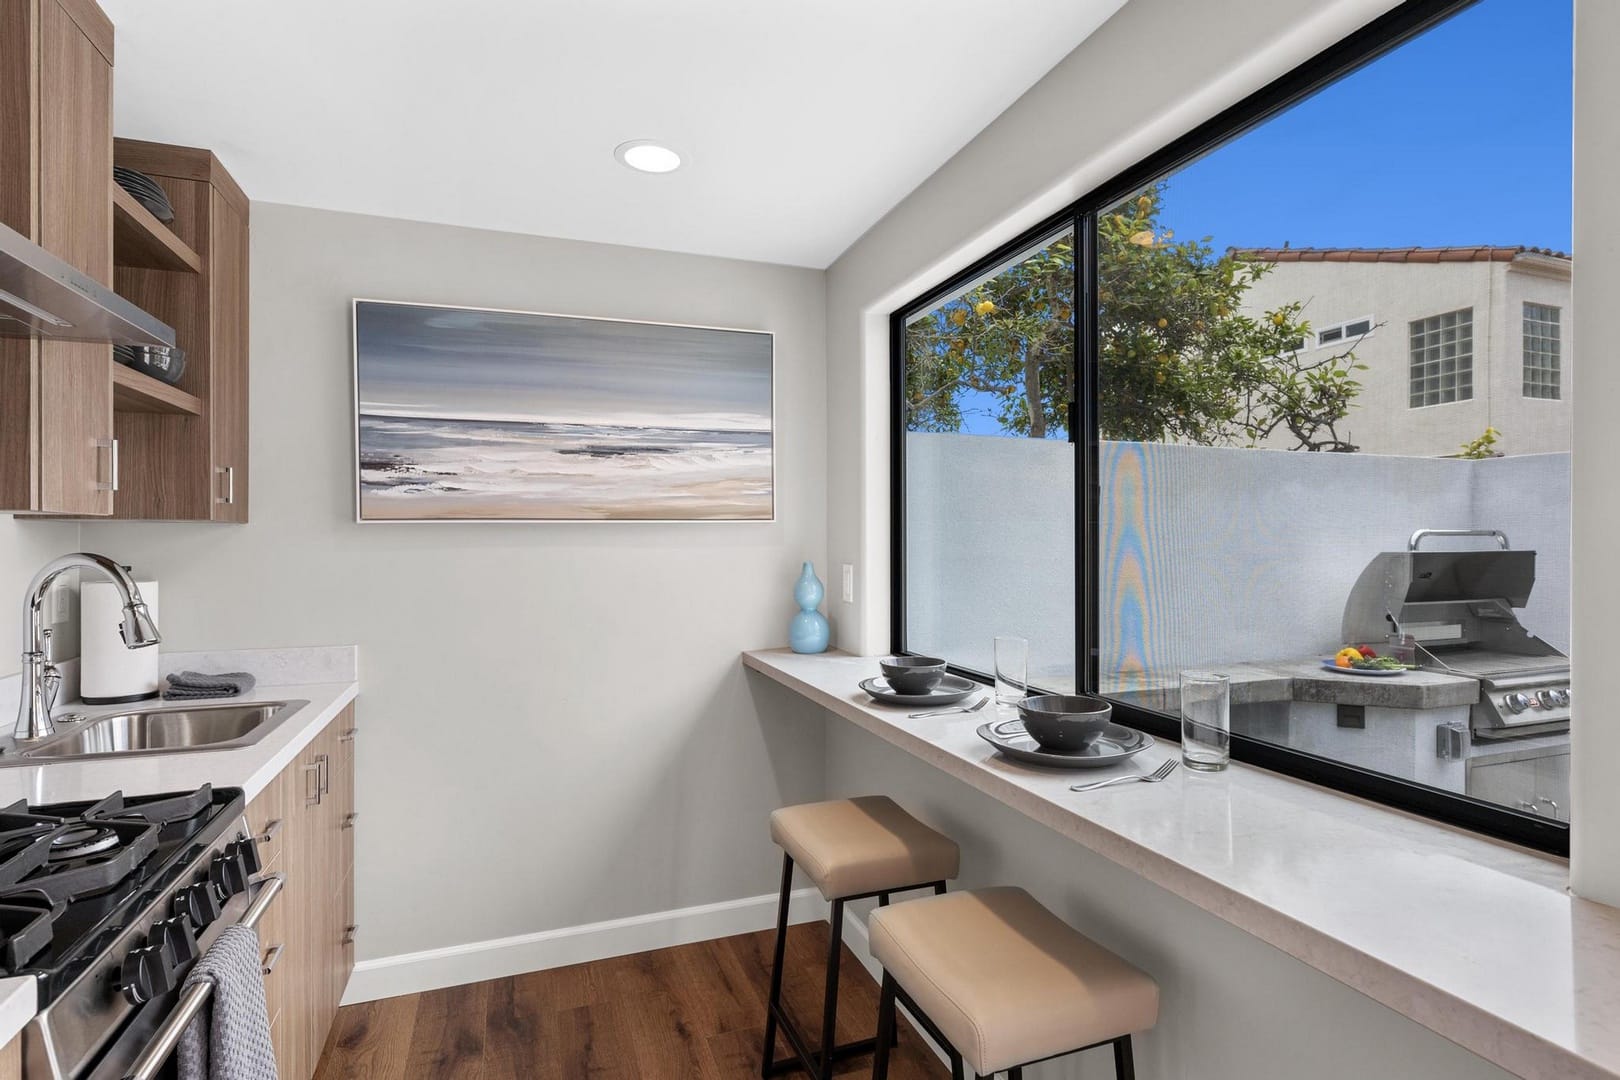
(1516, 703)
(198, 903)
(1547, 699)
(176, 934)
(148, 972)
(228, 874)
(1560, 697)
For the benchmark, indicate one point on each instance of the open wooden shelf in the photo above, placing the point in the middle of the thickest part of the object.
(141, 240)
(136, 391)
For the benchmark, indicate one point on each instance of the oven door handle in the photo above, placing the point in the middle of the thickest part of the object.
(1419, 536)
(194, 997)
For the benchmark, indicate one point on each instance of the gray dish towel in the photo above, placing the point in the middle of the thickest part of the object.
(194, 684)
(230, 1039)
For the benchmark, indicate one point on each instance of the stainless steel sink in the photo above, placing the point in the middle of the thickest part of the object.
(167, 731)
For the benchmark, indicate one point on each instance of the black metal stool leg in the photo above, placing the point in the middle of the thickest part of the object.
(939, 888)
(886, 1030)
(956, 1066)
(775, 1000)
(1124, 1065)
(829, 1008)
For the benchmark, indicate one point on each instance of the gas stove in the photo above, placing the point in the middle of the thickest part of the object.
(107, 904)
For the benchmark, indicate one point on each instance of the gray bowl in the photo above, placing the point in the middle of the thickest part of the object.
(913, 674)
(1064, 721)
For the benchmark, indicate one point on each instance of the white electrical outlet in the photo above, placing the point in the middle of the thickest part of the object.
(848, 591)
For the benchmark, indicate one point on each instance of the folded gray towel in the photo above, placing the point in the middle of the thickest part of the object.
(194, 684)
(230, 1039)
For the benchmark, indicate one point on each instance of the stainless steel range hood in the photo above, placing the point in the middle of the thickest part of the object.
(43, 297)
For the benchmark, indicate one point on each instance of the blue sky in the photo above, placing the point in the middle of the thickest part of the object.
(1459, 137)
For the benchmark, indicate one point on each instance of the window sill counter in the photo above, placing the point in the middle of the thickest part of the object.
(1476, 940)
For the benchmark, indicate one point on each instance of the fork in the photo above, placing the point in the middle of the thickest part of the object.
(975, 707)
(1147, 778)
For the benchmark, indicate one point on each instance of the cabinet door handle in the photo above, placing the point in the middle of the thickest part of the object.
(230, 483)
(271, 957)
(111, 446)
(348, 736)
(349, 932)
(270, 830)
(325, 774)
(350, 819)
(314, 770)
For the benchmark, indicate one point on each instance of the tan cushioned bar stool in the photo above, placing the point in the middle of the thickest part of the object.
(849, 848)
(1003, 983)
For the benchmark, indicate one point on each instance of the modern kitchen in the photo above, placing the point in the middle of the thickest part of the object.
(722, 541)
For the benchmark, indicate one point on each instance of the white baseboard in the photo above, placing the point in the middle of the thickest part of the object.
(456, 965)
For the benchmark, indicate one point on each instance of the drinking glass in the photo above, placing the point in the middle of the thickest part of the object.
(1012, 670)
(1206, 720)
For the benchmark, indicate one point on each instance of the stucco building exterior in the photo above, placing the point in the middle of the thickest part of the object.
(1455, 340)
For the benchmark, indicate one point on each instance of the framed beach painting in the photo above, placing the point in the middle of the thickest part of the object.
(475, 414)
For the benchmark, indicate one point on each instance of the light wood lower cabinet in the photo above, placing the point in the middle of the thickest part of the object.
(307, 934)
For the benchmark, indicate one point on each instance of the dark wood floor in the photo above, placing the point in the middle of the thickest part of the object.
(689, 1013)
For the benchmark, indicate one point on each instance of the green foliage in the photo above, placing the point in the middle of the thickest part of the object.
(1482, 447)
(1177, 360)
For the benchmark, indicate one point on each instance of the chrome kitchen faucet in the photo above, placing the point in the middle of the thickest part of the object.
(40, 678)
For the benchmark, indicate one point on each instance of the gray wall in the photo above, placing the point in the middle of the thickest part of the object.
(1208, 555)
(556, 730)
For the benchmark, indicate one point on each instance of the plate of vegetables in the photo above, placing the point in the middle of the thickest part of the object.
(1361, 660)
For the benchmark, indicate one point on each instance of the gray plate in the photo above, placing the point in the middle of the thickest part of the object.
(1113, 746)
(1377, 673)
(951, 689)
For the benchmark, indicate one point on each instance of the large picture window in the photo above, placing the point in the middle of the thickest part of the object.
(1161, 431)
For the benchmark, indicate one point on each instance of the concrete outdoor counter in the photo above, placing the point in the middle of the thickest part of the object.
(1307, 680)
(1317, 875)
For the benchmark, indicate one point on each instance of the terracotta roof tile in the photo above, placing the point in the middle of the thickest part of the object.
(1484, 253)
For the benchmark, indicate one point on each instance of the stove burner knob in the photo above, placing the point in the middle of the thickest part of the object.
(148, 972)
(1516, 703)
(176, 934)
(1547, 699)
(247, 851)
(1560, 697)
(228, 874)
(198, 903)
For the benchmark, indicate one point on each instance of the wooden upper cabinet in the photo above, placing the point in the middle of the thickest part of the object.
(180, 467)
(57, 453)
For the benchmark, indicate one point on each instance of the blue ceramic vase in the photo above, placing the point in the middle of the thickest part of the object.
(808, 632)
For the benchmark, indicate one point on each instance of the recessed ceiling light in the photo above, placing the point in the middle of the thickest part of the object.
(644, 155)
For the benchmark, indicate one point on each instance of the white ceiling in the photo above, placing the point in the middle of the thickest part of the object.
(802, 124)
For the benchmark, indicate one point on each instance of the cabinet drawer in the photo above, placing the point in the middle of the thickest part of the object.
(267, 817)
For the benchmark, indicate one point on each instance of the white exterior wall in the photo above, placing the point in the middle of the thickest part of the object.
(1395, 294)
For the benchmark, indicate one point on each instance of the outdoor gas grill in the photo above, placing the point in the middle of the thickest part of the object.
(1461, 608)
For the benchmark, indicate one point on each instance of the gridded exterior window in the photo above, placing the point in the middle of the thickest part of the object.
(1442, 358)
(1542, 348)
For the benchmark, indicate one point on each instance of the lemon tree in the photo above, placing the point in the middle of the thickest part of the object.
(1178, 357)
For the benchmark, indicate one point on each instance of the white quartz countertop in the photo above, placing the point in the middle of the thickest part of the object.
(1475, 940)
(19, 997)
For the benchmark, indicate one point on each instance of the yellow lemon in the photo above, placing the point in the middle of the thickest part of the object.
(958, 317)
(984, 307)
(1163, 323)
(1143, 238)
(1277, 319)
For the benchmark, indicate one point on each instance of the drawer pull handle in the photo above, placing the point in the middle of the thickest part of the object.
(271, 958)
(348, 736)
(270, 830)
(326, 781)
(349, 820)
(314, 770)
(348, 934)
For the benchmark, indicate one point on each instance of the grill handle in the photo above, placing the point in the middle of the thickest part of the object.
(1417, 537)
(195, 996)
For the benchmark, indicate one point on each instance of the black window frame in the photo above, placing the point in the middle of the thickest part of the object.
(1362, 47)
